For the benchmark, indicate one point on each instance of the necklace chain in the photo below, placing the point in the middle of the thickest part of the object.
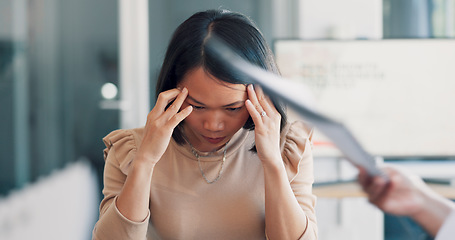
(220, 171)
(198, 157)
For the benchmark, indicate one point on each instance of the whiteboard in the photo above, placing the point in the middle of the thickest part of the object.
(396, 96)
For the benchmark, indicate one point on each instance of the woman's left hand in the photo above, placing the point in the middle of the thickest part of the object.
(267, 122)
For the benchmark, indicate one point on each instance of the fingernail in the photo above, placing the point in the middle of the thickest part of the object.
(184, 90)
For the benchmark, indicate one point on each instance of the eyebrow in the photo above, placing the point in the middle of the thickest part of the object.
(227, 105)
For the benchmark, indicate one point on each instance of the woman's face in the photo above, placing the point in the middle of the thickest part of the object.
(218, 110)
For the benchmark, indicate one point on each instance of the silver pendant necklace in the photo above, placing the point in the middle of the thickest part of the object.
(198, 157)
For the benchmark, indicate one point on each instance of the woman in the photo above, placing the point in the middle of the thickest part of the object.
(216, 158)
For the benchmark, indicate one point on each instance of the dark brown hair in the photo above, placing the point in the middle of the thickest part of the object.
(187, 51)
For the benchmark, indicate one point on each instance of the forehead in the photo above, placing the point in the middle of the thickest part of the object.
(209, 90)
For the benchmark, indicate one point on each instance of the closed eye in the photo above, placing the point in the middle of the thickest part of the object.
(233, 109)
(197, 107)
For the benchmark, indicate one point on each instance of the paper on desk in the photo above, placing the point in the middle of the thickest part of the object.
(296, 96)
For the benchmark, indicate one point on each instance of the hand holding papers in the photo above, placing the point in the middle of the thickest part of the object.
(296, 96)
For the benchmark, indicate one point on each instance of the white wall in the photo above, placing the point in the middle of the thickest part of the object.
(347, 19)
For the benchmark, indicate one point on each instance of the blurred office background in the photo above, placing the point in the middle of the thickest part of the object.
(72, 71)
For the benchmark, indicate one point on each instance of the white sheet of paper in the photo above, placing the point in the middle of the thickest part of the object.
(297, 96)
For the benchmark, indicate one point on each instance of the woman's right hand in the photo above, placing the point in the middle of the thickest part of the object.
(160, 125)
(133, 200)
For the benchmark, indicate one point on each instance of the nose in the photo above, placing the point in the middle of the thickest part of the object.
(214, 121)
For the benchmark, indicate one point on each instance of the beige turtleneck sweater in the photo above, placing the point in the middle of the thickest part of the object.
(184, 206)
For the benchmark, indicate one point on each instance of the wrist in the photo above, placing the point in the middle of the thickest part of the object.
(423, 208)
(432, 212)
(275, 166)
(142, 164)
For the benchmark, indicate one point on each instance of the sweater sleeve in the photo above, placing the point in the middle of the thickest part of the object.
(297, 155)
(446, 230)
(118, 155)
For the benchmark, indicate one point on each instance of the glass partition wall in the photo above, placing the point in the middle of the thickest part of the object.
(55, 59)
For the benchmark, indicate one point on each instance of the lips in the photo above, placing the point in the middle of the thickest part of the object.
(214, 140)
